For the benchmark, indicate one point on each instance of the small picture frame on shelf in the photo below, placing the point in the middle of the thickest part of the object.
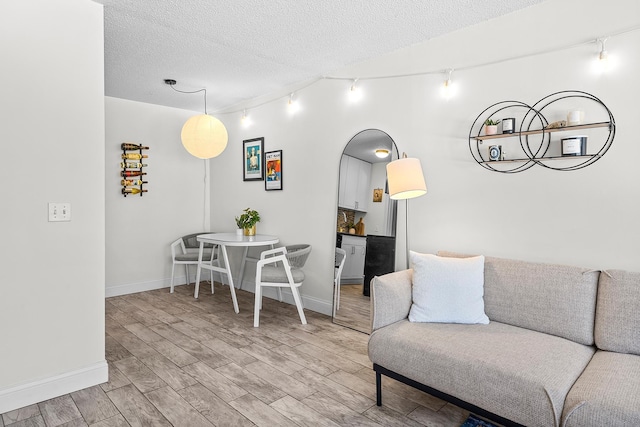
(273, 161)
(495, 153)
(253, 159)
(508, 125)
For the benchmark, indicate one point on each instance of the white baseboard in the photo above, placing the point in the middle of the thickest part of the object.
(310, 303)
(48, 388)
(132, 288)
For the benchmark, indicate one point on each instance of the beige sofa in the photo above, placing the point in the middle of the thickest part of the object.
(562, 347)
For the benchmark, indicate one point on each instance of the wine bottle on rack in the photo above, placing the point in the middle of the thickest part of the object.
(133, 191)
(132, 173)
(133, 165)
(126, 182)
(134, 156)
(131, 146)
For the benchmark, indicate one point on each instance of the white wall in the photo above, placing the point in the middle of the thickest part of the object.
(531, 208)
(139, 230)
(52, 128)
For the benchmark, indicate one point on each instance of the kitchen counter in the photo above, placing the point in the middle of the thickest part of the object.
(348, 234)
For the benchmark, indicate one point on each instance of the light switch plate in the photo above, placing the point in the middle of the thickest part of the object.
(59, 212)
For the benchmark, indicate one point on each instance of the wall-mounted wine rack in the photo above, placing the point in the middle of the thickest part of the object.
(132, 169)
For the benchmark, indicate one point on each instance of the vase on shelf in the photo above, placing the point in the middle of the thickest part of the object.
(251, 231)
(490, 129)
(239, 231)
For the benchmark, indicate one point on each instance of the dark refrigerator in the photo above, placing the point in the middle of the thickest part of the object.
(380, 258)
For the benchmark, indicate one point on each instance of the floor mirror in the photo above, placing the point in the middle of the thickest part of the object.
(365, 224)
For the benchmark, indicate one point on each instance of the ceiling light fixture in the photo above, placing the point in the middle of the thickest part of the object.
(203, 136)
(355, 93)
(245, 120)
(448, 88)
(292, 105)
(603, 55)
(382, 153)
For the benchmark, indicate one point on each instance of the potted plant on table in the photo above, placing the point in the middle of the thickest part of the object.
(247, 221)
(491, 126)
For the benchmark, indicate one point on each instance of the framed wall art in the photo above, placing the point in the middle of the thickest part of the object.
(273, 161)
(253, 159)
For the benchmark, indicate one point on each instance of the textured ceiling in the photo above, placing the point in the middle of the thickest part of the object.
(243, 49)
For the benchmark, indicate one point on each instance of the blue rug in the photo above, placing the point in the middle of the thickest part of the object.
(473, 421)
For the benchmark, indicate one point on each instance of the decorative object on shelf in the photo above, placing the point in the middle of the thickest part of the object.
(575, 117)
(508, 125)
(252, 159)
(536, 146)
(377, 195)
(491, 126)
(495, 152)
(247, 221)
(351, 228)
(273, 161)
(556, 125)
(203, 136)
(574, 145)
(132, 169)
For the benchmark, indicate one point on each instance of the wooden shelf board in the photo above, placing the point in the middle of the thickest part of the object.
(538, 159)
(539, 131)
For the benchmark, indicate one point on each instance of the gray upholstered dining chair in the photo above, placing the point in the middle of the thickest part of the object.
(281, 268)
(184, 251)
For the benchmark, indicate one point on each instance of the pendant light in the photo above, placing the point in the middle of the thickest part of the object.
(203, 136)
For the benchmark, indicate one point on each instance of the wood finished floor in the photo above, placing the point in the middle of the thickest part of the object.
(177, 361)
(355, 308)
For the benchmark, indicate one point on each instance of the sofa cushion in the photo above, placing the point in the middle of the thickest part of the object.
(447, 290)
(554, 299)
(618, 312)
(606, 394)
(517, 373)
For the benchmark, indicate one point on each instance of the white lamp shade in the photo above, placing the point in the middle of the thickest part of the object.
(405, 179)
(204, 136)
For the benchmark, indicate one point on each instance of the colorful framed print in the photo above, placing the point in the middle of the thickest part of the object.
(253, 159)
(273, 161)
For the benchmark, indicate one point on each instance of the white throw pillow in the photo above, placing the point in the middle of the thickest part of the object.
(447, 290)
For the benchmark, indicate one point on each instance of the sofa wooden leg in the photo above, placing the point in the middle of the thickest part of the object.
(378, 389)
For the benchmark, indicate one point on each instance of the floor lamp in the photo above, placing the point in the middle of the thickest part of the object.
(406, 181)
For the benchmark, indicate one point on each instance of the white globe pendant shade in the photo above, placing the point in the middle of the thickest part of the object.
(204, 136)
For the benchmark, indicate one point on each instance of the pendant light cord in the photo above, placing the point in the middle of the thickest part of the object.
(194, 91)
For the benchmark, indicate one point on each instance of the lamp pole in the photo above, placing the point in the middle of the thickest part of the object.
(406, 181)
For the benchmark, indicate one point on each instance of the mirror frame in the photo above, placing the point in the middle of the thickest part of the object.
(395, 154)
